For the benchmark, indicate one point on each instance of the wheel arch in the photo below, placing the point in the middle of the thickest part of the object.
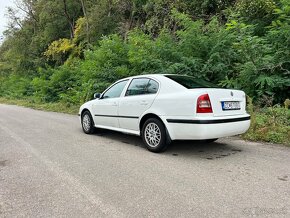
(146, 117)
(84, 110)
(153, 115)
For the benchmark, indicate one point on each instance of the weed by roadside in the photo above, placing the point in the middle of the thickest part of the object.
(269, 124)
(56, 107)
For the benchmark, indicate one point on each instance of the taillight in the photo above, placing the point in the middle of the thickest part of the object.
(203, 104)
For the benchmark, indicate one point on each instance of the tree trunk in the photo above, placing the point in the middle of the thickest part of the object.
(70, 21)
(87, 21)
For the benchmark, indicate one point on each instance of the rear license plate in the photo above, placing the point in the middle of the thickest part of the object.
(231, 105)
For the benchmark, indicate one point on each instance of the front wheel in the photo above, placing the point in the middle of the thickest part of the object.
(154, 135)
(88, 123)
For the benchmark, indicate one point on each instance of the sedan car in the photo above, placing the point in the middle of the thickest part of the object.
(162, 108)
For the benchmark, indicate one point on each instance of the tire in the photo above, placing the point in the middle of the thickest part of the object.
(154, 135)
(88, 123)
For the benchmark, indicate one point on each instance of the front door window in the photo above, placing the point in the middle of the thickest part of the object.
(115, 91)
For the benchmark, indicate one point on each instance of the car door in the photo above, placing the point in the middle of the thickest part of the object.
(139, 96)
(105, 109)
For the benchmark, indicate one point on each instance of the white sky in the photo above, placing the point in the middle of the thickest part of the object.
(3, 10)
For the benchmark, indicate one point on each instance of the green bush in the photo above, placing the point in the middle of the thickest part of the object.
(15, 86)
(271, 124)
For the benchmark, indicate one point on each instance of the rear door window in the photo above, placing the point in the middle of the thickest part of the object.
(152, 87)
(142, 86)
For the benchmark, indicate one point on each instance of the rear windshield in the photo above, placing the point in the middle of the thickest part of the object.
(191, 82)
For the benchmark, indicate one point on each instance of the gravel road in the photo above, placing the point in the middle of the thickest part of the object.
(50, 168)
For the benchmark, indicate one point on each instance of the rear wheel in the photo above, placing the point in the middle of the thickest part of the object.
(88, 123)
(154, 135)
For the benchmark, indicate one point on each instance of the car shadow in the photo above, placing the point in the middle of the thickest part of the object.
(200, 149)
(209, 151)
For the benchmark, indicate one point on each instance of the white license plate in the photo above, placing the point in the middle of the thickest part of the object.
(231, 105)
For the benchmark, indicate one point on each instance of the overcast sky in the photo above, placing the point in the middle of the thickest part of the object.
(3, 9)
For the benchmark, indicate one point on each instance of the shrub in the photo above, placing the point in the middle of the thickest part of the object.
(271, 124)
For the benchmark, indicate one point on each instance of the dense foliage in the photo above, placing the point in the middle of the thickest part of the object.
(65, 50)
(270, 124)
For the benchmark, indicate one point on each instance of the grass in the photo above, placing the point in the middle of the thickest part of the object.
(270, 124)
(56, 107)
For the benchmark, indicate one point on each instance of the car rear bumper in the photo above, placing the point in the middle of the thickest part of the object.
(190, 129)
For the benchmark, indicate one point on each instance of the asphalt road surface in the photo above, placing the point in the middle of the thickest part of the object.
(50, 168)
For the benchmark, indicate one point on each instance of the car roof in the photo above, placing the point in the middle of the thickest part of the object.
(150, 75)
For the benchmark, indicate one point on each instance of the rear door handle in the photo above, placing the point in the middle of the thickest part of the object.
(144, 103)
(114, 104)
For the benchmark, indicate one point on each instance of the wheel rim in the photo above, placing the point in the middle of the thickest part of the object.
(86, 122)
(152, 135)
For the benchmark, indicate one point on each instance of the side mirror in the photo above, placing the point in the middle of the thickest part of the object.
(97, 95)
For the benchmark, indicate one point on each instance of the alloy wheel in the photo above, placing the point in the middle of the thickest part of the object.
(86, 122)
(152, 134)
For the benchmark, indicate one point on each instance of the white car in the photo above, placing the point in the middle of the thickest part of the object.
(161, 108)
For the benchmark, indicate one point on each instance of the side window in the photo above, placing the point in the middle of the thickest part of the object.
(142, 86)
(115, 91)
(152, 87)
(137, 87)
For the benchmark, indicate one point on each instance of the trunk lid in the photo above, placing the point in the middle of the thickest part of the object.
(226, 102)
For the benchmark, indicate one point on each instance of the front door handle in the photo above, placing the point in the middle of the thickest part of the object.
(114, 104)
